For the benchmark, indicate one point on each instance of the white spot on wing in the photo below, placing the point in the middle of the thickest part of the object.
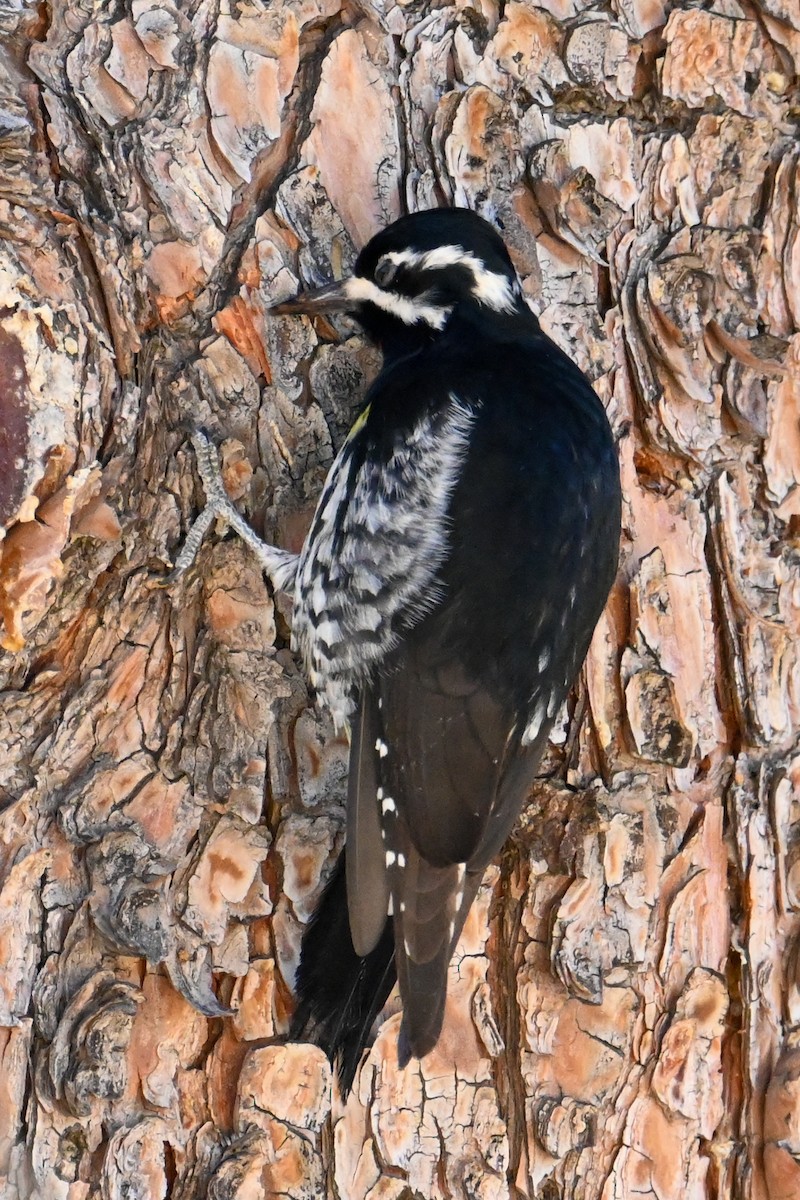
(381, 747)
(531, 731)
(388, 806)
(390, 858)
(462, 872)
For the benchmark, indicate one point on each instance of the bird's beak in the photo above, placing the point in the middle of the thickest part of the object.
(329, 299)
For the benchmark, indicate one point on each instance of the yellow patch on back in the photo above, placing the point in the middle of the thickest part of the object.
(359, 423)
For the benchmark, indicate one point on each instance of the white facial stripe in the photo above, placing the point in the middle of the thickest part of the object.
(489, 287)
(410, 312)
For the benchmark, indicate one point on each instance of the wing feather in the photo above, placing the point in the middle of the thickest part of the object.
(447, 740)
(367, 882)
(424, 922)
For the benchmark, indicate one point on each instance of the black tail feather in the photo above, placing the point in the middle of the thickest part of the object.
(339, 993)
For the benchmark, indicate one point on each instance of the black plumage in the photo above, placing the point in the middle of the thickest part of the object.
(461, 555)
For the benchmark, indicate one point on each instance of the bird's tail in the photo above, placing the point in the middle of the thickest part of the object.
(339, 993)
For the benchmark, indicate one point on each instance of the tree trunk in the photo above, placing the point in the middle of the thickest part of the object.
(625, 1001)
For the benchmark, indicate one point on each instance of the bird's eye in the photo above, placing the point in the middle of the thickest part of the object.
(385, 271)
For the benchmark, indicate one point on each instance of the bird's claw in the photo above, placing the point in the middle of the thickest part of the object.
(277, 564)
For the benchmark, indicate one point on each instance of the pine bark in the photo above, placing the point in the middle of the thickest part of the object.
(625, 1002)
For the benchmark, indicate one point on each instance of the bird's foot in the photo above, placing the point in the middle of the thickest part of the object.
(278, 565)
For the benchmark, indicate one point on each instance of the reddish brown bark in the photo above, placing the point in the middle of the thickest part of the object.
(624, 1002)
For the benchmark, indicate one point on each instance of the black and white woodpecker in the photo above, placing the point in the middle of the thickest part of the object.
(461, 553)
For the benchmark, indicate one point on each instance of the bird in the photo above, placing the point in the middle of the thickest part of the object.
(462, 550)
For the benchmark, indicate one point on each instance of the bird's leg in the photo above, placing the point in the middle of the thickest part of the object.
(278, 565)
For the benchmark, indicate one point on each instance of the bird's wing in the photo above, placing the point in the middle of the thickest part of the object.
(450, 743)
(462, 705)
(453, 778)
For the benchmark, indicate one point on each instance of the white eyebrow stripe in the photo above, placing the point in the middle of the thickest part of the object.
(410, 312)
(489, 287)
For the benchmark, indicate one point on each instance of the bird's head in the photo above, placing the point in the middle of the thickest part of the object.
(414, 276)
